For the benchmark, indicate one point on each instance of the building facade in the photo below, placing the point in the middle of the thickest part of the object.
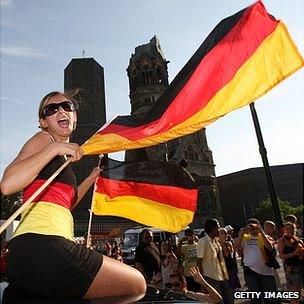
(87, 76)
(148, 79)
(242, 191)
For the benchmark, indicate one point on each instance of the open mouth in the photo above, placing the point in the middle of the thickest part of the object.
(63, 122)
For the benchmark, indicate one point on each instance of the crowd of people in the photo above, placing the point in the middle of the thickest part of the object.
(215, 255)
(200, 262)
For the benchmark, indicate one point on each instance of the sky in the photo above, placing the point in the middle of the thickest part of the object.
(40, 37)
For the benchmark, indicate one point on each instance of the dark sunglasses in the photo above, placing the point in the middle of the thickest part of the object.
(52, 108)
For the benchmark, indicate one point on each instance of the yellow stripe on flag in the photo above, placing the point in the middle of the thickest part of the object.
(143, 211)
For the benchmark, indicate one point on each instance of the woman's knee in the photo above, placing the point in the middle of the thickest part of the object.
(141, 285)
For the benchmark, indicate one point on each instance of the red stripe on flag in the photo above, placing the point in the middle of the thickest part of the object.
(213, 72)
(168, 195)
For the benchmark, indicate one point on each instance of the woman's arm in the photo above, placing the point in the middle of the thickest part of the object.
(33, 157)
(282, 255)
(211, 292)
(85, 185)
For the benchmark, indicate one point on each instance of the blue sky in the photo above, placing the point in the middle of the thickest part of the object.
(40, 37)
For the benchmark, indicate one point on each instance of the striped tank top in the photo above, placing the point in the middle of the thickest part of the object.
(50, 214)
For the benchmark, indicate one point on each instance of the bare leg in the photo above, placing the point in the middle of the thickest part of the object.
(115, 279)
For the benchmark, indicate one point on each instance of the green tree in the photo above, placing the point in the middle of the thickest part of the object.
(9, 204)
(265, 211)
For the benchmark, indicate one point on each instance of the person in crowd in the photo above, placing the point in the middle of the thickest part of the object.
(108, 248)
(293, 219)
(229, 230)
(230, 259)
(270, 230)
(210, 261)
(43, 257)
(258, 276)
(211, 295)
(168, 267)
(178, 283)
(291, 251)
(147, 259)
(116, 252)
(164, 247)
(187, 252)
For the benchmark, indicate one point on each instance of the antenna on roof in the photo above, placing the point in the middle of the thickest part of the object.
(83, 53)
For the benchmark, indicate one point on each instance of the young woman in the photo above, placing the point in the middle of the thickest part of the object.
(230, 259)
(43, 257)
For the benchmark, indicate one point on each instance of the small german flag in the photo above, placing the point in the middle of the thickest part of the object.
(245, 56)
(153, 193)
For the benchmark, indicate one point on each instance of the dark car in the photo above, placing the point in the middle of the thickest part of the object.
(13, 295)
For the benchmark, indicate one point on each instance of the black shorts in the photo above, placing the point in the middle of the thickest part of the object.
(52, 266)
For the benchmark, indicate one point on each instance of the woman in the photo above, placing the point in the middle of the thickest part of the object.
(43, 257)
(291, 251)
(230, 259)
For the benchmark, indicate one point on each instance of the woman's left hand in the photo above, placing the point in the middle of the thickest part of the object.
(94, 173)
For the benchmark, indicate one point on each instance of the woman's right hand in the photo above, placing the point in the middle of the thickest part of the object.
(71, 150)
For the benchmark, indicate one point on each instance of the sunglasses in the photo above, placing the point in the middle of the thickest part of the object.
(53, 108)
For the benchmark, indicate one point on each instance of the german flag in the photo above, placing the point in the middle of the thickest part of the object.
(245, 56)
(153, 193)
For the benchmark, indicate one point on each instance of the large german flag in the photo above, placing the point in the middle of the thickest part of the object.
(245, 56)
(157, 194)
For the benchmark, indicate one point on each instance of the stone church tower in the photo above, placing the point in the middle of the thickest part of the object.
(148, 79)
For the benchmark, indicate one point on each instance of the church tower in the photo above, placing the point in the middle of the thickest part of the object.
(148, 79)
(87, 76)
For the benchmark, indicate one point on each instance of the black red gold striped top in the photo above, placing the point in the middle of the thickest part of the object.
(50, 212)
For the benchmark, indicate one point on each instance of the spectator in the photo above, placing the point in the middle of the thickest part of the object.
(230, 259)
(293, 219)
(269, 229)
(168, 267)
(291, 251)
(116, 253)
(211, 261)
(188, 253)
(147, 259)
(258, 276)
(212, 296)
(165, 246)
(178, 283)
(229, 231)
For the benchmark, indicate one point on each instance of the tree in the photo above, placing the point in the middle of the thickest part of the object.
(9, 204)
(265, 211)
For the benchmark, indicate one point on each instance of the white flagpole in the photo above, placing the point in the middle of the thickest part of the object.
(88, 243)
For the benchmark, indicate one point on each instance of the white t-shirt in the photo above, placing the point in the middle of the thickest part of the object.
(253, 257)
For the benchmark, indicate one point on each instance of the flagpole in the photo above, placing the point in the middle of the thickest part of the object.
(263, 152)
(88, 243)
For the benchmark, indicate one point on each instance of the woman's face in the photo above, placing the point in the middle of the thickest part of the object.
(223, 235)
(62, 121)
(289, 230)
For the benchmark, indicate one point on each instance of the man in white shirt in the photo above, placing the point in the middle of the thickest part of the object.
(258, 277)
(211, 263)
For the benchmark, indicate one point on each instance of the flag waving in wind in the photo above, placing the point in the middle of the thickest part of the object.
(152, 193)
(245, 56)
